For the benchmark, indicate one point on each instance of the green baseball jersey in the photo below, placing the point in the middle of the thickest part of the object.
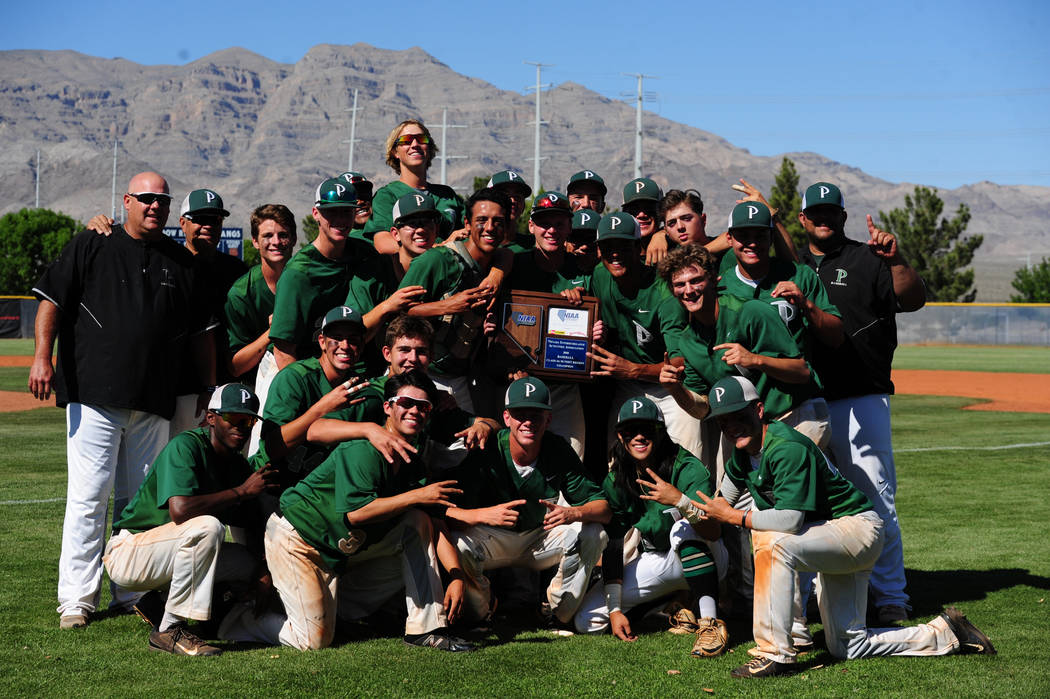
(488, 477)
(793, 474)
(444, 272)
(527, 275)
(445, 198)
(352, 476)
(650, 518)
(188, 465)
(784, 271)
(635, 328)
(372, 285)
(310, 286)
(249, 304)
(293, 390)
(758, 327)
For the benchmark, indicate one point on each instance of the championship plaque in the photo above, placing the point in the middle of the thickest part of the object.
(545, 335)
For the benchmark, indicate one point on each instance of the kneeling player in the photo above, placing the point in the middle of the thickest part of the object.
(645, 490)
(808, 518)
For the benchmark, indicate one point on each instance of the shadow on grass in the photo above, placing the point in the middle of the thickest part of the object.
(932, 590)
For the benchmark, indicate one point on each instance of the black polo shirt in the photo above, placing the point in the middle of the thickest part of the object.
(860, 285)
(128, 308)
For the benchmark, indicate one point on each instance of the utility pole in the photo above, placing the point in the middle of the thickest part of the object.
(638, 121)
(113, 206)
(37, 179)
(353, 133)
(442, 151)
(538, 122)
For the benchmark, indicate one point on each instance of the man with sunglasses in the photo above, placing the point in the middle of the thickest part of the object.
(129, 311)
(870, 282)
(172, 533)
(359, 528)
(641, 199)
(318, 277)
(509, 513)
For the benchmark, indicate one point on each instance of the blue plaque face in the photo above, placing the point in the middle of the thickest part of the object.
(565, 353)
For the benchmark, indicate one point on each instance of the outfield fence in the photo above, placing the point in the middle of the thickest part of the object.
(976, 324)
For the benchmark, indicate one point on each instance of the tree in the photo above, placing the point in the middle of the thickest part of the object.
(310, 230)
(1033, 284)
(31, 239)
(937, 251)
(785, 198)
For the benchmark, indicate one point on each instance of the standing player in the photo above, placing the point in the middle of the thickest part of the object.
(646, 489)
(808, 518)
(122, 308)
(869, 283)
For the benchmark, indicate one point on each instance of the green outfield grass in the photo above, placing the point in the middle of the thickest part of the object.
(1010, 359)
(972, 519)
(20, 346)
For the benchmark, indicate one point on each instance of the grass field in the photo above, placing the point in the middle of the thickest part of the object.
(973, 511)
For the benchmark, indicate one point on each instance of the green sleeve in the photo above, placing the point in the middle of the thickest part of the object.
(433, 271)
(621, 518)
(176, 468)
(813, 288)
(240, 315)
(369, 289)
(382, 210)
(359, 476)
(690, 475)
(673, 320)
(578, 487)
(288, 398)
(765, 331)
(291, 307)
(796, 483)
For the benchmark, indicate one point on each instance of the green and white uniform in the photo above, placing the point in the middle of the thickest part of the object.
(491, 477)
(445, 199)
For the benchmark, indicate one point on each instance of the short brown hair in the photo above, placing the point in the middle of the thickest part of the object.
(684, 257)
(674, 197)
(409, 326)
(272, 212)
(391, 144)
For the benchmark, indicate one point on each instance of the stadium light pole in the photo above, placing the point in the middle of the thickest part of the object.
(37, 206)
(442, 150)
(538, 122)
(353, 133)
(113, 202)
(638, 122)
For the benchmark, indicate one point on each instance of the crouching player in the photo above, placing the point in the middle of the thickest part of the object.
(645, 487)
(357, 529)
(172, 532)
(808, 518)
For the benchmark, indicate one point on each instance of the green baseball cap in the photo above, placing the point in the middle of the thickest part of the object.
(511, 179)
(639, 408)
(201, 201)
(342, 314)
(823, 193)
(750, 214)
(362, 186)
(550, 201)
(641, 189)
(731, 394)
(618, 226)
(234, 398)
(586, 220)
(529, 392)
(335, 192)
(415, 204)
(587, 176)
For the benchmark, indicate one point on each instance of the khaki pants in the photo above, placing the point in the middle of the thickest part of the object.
(310, 590)
(574, 548)
(190, 557)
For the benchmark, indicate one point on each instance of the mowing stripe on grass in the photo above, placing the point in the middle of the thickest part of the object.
(31, 502)
(957, 448)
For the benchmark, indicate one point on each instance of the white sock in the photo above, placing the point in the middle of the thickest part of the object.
(169, 620)
(708, 607)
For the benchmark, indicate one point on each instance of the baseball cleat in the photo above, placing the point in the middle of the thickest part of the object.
(761, 667)
(683, 622)
(73, 621)
(712, 638)
(892, 614)
(179, 641)
(441, 641)
(971, 639)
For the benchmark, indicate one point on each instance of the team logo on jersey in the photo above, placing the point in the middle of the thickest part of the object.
(642, 336)
(840, 277)
(787, 311)
(352, 541)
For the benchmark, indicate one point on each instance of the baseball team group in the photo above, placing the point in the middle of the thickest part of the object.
(333, 438)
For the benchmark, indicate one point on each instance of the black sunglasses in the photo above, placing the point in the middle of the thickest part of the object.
(148, 198)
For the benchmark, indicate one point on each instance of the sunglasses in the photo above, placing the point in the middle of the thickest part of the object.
(407, 139)
(148, 198)
(204, 219)
(630, 429)
(581, 239)
(406, 403)
(239, 419)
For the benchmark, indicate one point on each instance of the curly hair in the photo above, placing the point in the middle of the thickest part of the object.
(684, 257)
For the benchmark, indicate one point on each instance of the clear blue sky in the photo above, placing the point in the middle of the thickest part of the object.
(941, 93)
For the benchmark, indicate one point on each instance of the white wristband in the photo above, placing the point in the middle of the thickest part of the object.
(613, 597)
(689, 509)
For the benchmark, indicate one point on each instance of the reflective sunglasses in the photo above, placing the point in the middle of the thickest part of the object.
(406, 403)
(148, 198)
(407, 139)
(204, 219)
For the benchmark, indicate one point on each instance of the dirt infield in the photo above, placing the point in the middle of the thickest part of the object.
(1021, 393)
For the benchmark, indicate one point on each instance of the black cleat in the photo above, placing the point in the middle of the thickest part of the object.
(971, 639)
